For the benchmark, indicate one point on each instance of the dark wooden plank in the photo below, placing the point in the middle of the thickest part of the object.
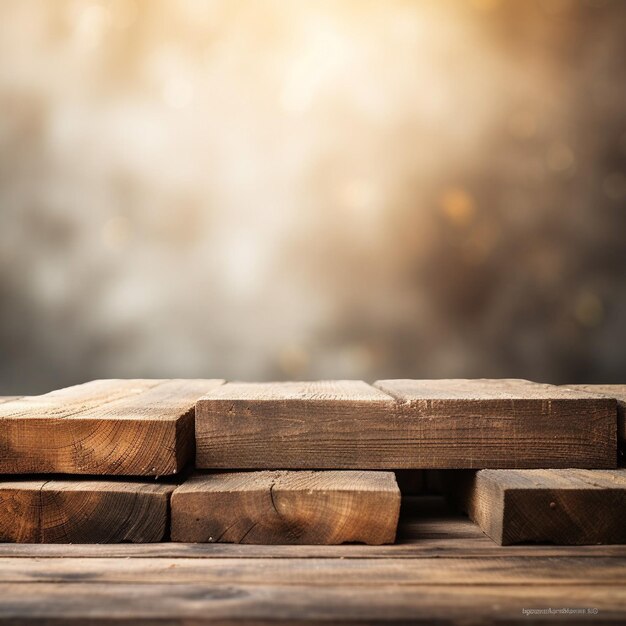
(497, 571)
(97, 603)
(287, 507)
(87, 511)
(404, 425)
(572, 506)
(113, 427)
(618, 392)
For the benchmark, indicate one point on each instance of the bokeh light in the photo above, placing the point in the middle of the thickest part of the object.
(332, 189)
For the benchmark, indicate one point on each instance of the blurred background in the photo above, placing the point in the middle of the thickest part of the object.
(287, 189)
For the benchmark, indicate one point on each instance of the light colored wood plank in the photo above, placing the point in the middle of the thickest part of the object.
(571, 506)
(287, 507)
(98, 603)
(8, 398)
(403, 425)
(113, 427)
(88, 511)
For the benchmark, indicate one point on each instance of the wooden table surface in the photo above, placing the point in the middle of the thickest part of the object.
(442, 569)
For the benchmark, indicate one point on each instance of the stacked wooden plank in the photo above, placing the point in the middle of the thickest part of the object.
(102, 431)
(295, 462)
(406, 424)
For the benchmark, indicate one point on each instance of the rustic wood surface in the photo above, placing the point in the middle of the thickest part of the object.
(112, 427)
(611, 391)
(88, 511)
(559, 506)
(507, 423)
(287, 507)
(404, 424)
(443, 570)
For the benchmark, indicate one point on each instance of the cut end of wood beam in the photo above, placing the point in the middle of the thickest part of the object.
(563, 507)
(89, 511)
(283, 507)
(112, 427)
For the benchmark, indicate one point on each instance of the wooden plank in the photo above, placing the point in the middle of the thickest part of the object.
(88, 511)
(572, 506)
(317, 425)
(505, 424)
(287, 507)
(98, 603)
(403, 424)
(618, 392)
(113, 427)
(320, 572)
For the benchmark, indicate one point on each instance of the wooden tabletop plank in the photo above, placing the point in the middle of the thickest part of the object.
(103, 603)
(84, 511)
(287, 507)
(403, 424)
(319, 572)
(571, 506)
(112, 427)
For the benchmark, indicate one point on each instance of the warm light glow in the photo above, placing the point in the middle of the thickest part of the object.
(285, 189)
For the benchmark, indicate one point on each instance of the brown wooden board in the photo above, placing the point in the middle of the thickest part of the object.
(319, 571)
(444, 570)
(618, 392)
(403, 424)
(287, 507)
(565, 507)
(83, 511)
(113, 427)
(97, 604)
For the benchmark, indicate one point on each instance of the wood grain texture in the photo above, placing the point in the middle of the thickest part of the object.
(573, 507)
(319, 571)
(283, 507)
(506, 423)
(97, 604)
(618, 392)
(113, 427)
(443, 570)
(90, 511)
(404, 424)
